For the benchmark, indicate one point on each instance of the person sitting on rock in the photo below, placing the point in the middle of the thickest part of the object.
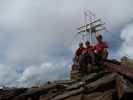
(79, 52)
(89, 52)
(100, 49)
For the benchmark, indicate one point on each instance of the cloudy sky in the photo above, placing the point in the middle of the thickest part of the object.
(37, 36)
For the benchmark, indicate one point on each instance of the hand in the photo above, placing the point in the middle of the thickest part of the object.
(95, 51)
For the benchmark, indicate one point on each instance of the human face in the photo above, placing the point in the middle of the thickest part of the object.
(81, 45)
(99, 39)
(87, 44)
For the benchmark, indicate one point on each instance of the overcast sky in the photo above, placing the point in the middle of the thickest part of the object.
(36, 36)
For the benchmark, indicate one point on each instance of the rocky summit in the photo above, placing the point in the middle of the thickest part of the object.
(111, 81)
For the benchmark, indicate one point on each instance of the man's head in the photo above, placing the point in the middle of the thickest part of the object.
(87, 43)
(99, 38)
(80, 45)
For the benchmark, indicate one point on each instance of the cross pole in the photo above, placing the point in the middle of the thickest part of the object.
(91, 25)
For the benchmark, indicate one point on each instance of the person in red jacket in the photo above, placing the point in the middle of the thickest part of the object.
(79, 52)
(89, 48)
(89, 52)
(100, 49)
(80, 49)
(77, 56)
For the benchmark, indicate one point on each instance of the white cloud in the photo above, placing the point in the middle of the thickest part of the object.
(8, 75)
(47, 71)
(127, 46)
(33, 75)
(39, 26)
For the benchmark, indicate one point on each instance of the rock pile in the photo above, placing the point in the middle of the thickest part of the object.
(101, 85)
